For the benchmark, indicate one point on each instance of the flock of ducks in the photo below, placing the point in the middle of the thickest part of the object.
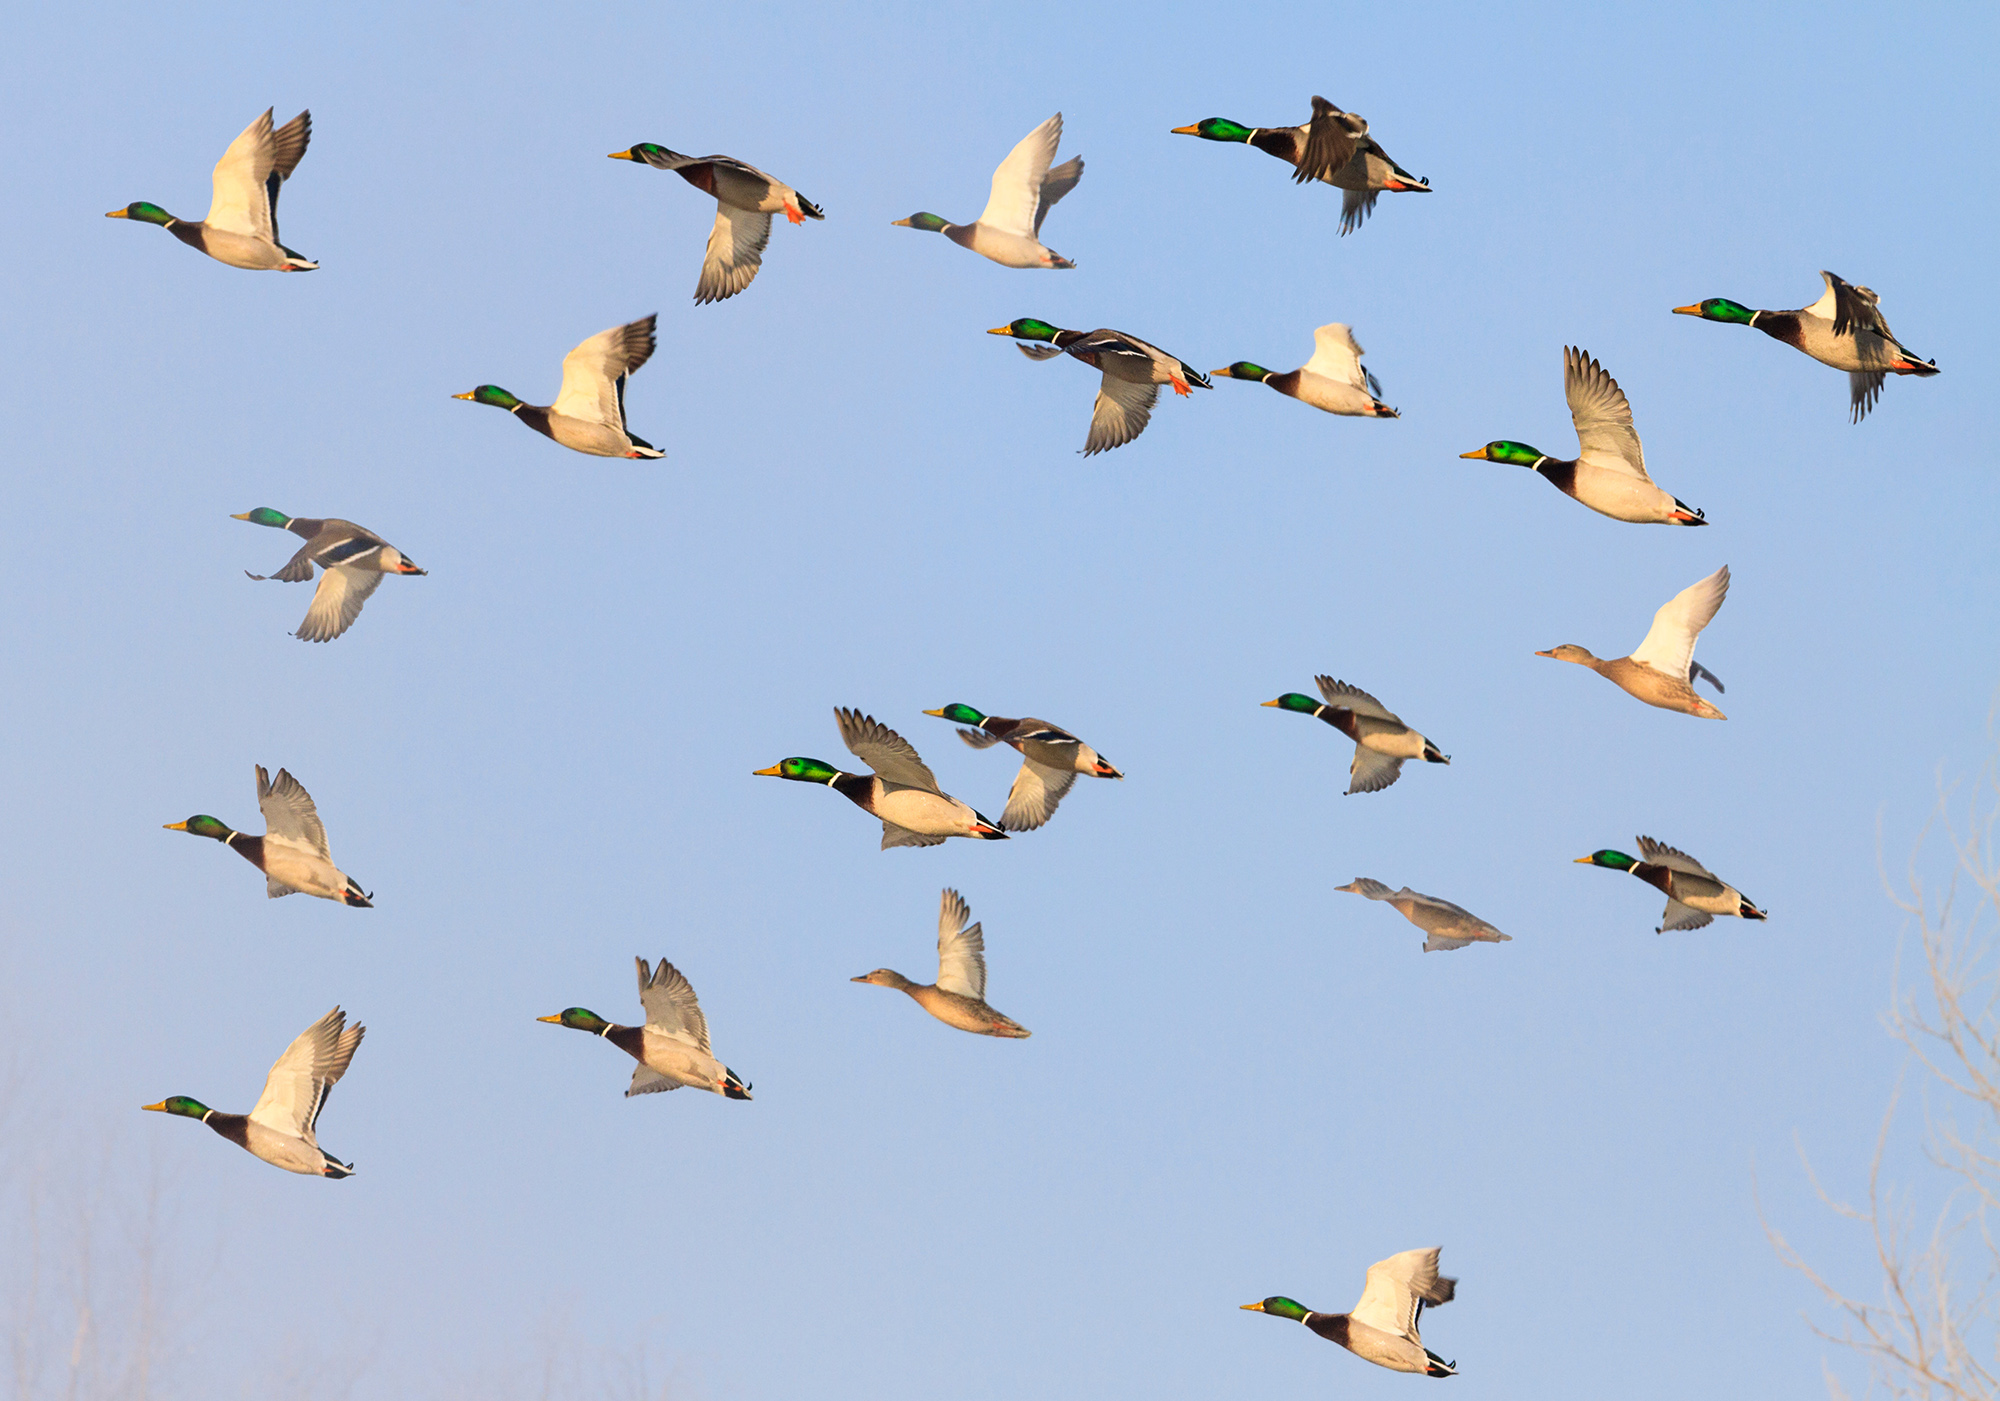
(1843, 329)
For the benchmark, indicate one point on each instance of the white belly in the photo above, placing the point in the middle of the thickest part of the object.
(929, 814)
(303, 871)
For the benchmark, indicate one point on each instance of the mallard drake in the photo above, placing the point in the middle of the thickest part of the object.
(352, 561)
(1052, 757)
(1333, 380)
(589, 414)
(1609, 471)
(672, 1047)
(1133, 374)
(1844, 329)
(1382, 1328)
(745, 200)
(1661, 670)
(241, 227)
(900, 790)
(1447, 926)
(958, 997)
(292, 852)
(280, 1128)
(1333, 147)
(1009, 229)
(1695, 894)
(1381, 740)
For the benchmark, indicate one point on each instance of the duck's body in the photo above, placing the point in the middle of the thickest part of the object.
(292, 853)
(1025, 188)
(1445, 925)
(589, 414)
(1608, 473)
(1333, 381)
(958, 997)
(672, 1047)
(1382, 1328)
(281, 1129)
(352, 561)
(1133, 372)
(241, 227)
(745, 199)
(1695, 894)
(1332, 147)
(1381, 740)
(1844, 329)
(1661, 671)
(1051, 758)
(901, 790)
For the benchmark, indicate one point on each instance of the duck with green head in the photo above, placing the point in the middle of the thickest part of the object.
(1025, 188)
(1332, 381)
(1844, 329)
(352, 561)
(672, 1047)
(1382, 1328)
(241, 227)
(588, 416)
(292, 853)
(900, 790)
(1132, 371)
(1608, 473)
(1381, 740)
(1695, 894)
(280, 1129)
(1051, 757)
(958, 997)
(745, 199)
(1332, 147)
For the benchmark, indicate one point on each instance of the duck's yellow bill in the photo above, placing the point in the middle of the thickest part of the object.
(1478, 453)
(161, 1106)
(466, 395)
(1271, 702)
(1694, 310)
(121, 214)
(621, 156)
(1001, 331)
(1190, 131)
(939, 713)
(775, 771)
(1581, 860)
(175, 826)
(1257, 1307)
(556, 1018)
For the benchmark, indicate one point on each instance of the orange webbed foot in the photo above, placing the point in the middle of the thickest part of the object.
(793, 214)
(1180, 387)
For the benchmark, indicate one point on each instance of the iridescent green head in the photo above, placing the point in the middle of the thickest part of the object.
(1026, 329)
(1244, 369)
(143, 212)
(490, 394)
(929, 223)
(640, 152)
(1520, 454)
(264, 515)
(803, 770)
(1281, 1307)
(1718, 309)
(578, 1019)
(1215, 129)
(959, 714)
(202, 825)
(182, 1105)
(1613, 860)
(1292, 700)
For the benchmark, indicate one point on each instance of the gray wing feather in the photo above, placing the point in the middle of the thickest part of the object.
(891, 756)
(1355, 207)
(1039, 352)
(1345, 697)
(289, 811)
(1060, 180)
(892, 835)
(1332, 138)
(1122, 410)
(1372, 771)
(648, 1081)
(670, 1003)
(979, 739)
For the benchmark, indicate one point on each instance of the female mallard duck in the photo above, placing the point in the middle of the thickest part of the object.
(1609, 472)
(589, 414)
(1009, 230)
(1333, 147)
(352, 561)
(958, 997)
(1382, 1328)
(1333, 380)
(1052, 757)
(745, 200)
(1133, 374)
(292, 852)
(241, 227)
(1445, 925)
(280, 1128)
(1661, 670)
(900, 790)
(1381, 740)
(1844, 329)
(1695, 894)
(672, 1047)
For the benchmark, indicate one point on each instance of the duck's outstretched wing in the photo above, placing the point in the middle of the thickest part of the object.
(289, 812)
(1015, 203)
(735, 252)
(892, 757)
(247, 178)
(670, 1005)
(1602, 415)
(1033, 798)
(1058, 182)
(1337, 356)
(337, 602)
(961, 949)
(594, 374)
(1669, 643)
(1397, 1290)
(1332, 138)
(296, 1089)
(1345, 697)
(1122, 410)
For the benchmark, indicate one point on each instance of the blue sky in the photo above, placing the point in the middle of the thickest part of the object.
(539, 756)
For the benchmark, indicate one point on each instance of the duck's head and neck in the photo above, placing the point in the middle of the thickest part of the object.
(579, 1019)
(640, 151)
(491, 394)
(1292, 700)
(202, 825)
(885, 978)
(1570, 652)
(143, 212)
(1610, 860)
(1278, 1306)
(1028, 329)
(1504, 450)
(1244, 369)
(800, 771)
(959, 714)
(184, 1105)
(1719, 309)
(929, 223)
(264, 515)
(1217, 129)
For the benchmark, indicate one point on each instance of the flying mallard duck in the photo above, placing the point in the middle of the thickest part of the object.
(1334, 147)
(1661, 670)
(241, 227)
(745, 200)
(1844, 329)
(1447, 926)
(1382, 1328)
(280, 1129)
(1332, 380)
(292, 852)
(589, 414)
(352, 562)
(1009, 230)
(1695, 894)
(958, 997)
(1133, 374)
(900, 790)
(1052, 757)
(1609, 473)
(672, 1047)
(1381, 740)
